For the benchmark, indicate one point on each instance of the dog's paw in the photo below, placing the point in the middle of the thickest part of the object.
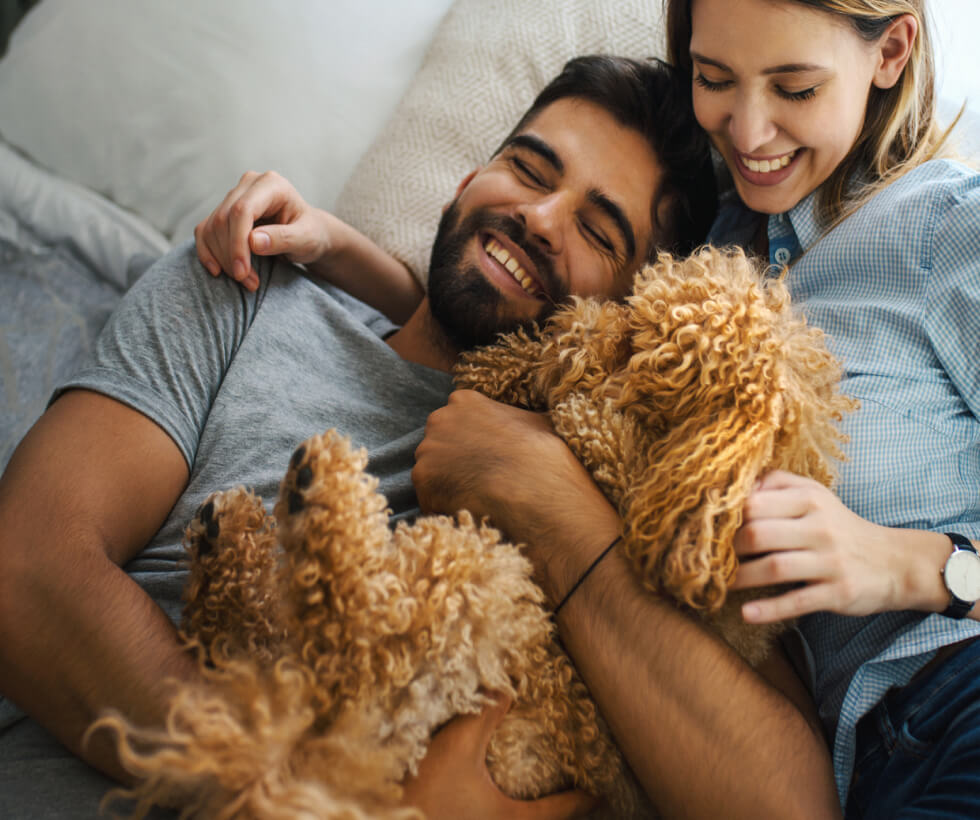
(327, 496)
(230, 592)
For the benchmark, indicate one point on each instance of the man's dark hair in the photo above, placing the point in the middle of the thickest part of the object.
(653, 98)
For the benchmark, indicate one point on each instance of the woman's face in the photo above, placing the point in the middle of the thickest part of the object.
(781, 89)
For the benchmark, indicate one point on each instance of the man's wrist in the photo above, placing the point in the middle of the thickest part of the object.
(569, 565)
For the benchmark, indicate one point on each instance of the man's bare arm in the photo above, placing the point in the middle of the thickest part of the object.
(85, 491)
(706, 735)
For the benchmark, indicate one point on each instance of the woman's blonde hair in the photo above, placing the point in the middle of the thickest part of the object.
(900, 130)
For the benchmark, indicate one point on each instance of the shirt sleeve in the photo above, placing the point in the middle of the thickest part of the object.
(953, 308)
(167, 346)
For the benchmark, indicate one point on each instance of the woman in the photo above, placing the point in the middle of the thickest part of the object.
(823, 113)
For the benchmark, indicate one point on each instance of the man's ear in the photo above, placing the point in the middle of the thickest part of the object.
(895, 48)
(462, 185)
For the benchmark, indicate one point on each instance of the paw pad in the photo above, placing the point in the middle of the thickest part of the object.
(295, 502)
(211, 529)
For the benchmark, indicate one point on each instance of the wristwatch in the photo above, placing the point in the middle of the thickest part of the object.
(961, 574)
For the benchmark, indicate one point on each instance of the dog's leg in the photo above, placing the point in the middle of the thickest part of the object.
(333, 526)
(230, 596)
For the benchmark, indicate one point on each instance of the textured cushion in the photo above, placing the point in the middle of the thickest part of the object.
(487, 61)
(161, 105)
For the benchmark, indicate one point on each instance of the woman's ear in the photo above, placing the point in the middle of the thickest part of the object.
(462, 186)
(895, 48)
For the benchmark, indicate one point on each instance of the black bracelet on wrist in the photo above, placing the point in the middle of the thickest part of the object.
(585, 574)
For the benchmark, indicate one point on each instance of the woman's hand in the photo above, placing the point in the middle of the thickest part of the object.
(796, 531)
(287, 225)
(453, 780)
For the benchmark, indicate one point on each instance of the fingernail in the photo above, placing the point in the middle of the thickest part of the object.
(260, 240)
(252, 283)
(238, 271)
(750, 612)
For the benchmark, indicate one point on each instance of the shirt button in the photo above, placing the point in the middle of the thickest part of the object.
(782, 255)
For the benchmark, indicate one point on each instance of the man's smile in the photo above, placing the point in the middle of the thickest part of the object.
(509, 259)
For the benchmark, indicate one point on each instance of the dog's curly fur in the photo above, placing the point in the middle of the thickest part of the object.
(332, 647)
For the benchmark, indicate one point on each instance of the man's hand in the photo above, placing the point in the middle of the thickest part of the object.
(453, 780)
(508, 465)
(265, 215)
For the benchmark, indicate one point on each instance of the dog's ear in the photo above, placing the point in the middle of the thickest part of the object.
(681, 516)
(585, 343)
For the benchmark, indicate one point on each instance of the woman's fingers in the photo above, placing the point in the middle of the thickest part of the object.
(791, 604)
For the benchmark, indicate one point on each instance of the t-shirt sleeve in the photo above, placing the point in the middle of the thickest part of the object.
(953, 309)
(169, 343)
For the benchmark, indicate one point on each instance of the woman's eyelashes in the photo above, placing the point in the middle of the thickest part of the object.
(805, 94)
(711, 85)
(786, 94)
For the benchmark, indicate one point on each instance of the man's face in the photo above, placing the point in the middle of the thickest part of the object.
(563, 209)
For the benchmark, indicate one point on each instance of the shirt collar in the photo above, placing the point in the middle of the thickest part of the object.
(793, 232)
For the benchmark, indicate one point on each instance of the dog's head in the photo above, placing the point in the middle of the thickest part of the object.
(728, 383)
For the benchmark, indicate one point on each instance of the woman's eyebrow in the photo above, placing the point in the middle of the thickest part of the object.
(785, 68)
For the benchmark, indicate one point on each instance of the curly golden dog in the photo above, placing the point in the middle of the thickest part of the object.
(332, 647)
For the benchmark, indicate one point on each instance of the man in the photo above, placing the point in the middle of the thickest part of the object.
(197, 385)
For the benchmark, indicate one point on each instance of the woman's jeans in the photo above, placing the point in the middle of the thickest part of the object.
(918, 750)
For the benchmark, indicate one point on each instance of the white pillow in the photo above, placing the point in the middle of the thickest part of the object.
(486, 64)
(162, 104)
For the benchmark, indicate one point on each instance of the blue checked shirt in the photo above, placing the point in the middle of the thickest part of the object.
(896, 288)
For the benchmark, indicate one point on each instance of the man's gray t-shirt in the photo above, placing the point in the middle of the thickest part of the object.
(238, 380)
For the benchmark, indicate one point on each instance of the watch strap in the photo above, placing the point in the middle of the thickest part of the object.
(958, 608)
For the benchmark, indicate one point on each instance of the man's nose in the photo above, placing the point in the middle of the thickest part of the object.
(544, 220)
(750, 123)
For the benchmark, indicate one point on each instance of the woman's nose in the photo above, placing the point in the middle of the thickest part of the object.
(750, 124)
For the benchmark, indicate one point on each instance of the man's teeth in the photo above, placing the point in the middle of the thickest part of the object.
(767, 165)
(502, 255)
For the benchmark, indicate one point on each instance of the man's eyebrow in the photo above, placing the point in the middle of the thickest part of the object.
(785, 68)
(539, 147)
(616, 214)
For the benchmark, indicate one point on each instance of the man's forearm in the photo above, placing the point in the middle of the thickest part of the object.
(83, 493)
(72, 650)
(706, 735)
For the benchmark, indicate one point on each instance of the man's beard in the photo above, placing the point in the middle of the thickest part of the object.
(468, 308)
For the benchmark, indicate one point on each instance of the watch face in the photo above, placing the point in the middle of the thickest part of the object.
(963, 575)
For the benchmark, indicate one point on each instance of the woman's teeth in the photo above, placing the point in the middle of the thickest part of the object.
(501, 254)
(767, 165)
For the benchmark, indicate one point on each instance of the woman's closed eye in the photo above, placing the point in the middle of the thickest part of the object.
(797, 96)
(785, 93)
(711, 85)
